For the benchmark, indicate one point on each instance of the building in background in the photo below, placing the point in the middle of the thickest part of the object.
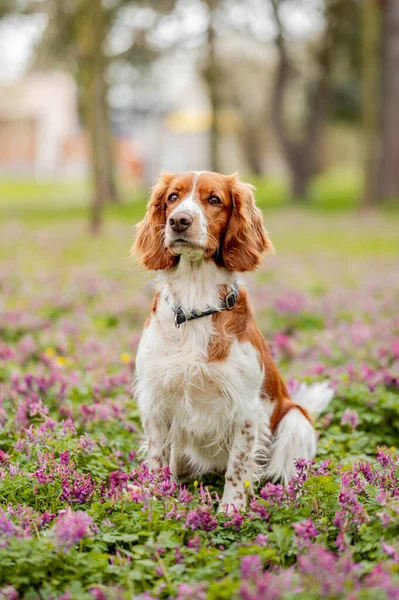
(42, 137)
(37, 116)
(41, 134)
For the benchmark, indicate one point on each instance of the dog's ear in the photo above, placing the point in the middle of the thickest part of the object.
(246, 238)
(149, 243)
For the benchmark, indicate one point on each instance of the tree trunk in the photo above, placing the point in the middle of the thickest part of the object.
(212, 80)
(299, 185)
(91, 30)
(389, 170)
(96, 113)
(302, 152)
(99, 158)
(112, 187)
(251, 144)
(214, 138)
(370, 99)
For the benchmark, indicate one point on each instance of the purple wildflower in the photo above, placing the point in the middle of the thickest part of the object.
(305, 530)
(118, 480)
(47, 518)
(186, 591)
(194, 542)
(367, 471)
(201, 518)
(250, 565)
(7, 527)
(71, 527)
(4, 457)
(259, 509)
(261, 539)
(351, 418)
(390, 551)
(290, 302)
(8, 592)
(236, 520)
(98, 593)
(76, 487)
(382, 578)
(274, 494)
(384, 458)
(184, 495)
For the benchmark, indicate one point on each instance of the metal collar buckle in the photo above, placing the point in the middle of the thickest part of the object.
(178, 314)
(231, 300)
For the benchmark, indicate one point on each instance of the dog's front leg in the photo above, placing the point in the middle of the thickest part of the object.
(240, 468)
(158, 446)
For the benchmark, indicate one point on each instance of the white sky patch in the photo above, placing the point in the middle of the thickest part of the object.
(301, 19)
(18, 36)
(185, 26)
(121, 96)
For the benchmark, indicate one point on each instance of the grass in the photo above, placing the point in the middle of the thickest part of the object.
(327, 223)
(334, 190)
(54, 200)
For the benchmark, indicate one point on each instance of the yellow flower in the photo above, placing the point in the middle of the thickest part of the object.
(63, 361)
(195, 483)
(247, 484)
(393, 448)
(126, 358)
(50, 352)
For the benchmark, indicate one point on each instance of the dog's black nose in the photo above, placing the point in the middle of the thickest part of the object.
(180, 222)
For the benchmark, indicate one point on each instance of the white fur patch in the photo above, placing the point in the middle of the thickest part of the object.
(194, 284)
(315, 397)
(295, 438)
(193, 208)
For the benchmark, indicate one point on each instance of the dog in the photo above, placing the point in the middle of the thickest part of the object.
(209, 394)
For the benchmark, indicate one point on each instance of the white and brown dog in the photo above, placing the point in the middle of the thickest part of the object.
(210, 396)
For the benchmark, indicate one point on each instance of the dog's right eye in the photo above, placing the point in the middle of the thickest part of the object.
(172, 197)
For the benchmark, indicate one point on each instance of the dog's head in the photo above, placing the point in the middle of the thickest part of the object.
(202, 215)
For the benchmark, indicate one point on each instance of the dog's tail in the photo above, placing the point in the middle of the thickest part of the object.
(314, 397)
(295, 436)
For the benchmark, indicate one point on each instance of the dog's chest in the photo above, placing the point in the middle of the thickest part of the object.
(201, 396)
(176, 359)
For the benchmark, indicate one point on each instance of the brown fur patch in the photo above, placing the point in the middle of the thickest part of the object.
(148, 245)
(239, 324)
(153, 308)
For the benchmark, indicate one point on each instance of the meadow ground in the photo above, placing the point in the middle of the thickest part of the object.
(81, 518)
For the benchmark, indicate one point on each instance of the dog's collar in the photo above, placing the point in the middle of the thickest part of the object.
(228, 303)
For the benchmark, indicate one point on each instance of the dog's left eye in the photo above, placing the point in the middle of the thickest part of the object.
(172, 197)
(214, 200)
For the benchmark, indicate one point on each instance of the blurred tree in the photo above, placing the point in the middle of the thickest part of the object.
(381, 100)
(388, 172)
(302, 149)
(90, 30)
(77, 36)
(346, 79)
(4, 9)
(212, 76)
(253, 128)
(232, 72)
(371, 88)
